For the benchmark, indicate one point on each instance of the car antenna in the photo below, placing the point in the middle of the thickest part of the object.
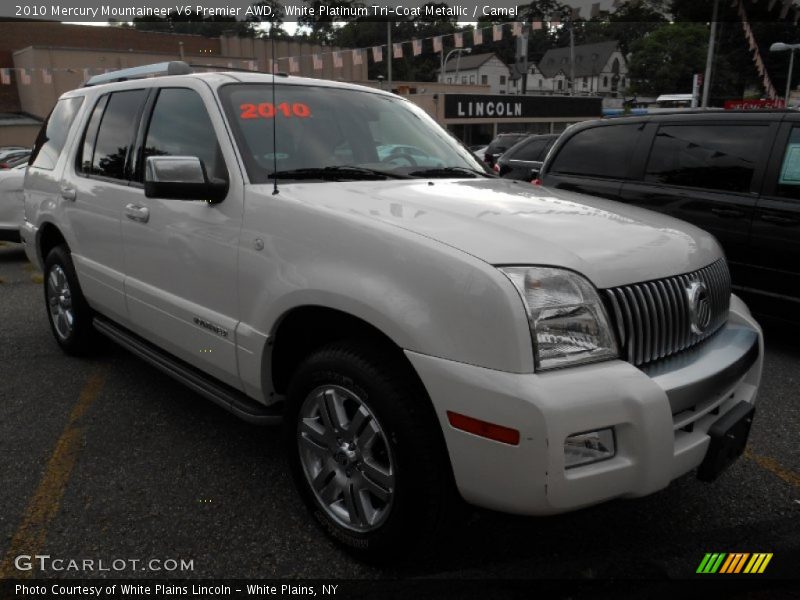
(274, 118)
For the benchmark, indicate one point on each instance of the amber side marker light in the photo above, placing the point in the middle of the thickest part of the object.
(491, 431)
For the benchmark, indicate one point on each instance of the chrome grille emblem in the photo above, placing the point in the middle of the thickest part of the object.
(699, 306)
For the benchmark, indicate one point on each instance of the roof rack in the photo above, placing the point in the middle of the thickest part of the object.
(175, 67)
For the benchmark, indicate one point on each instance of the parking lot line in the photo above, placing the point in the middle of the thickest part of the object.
(772, 465)
(43, 505)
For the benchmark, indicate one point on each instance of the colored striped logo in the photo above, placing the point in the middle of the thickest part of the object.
(734, 562)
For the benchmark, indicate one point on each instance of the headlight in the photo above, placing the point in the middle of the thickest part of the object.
(568, 323)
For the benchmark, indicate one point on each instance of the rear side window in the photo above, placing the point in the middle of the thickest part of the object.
(180, 126)
(114, 135)
(53, 133)
(718, 157)
(598, 152)
(789, 177)
(533, 150)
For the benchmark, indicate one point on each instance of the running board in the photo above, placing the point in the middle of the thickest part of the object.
(223, 395)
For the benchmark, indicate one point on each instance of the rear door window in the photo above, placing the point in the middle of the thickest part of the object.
(115, 135)
(53, 133)
(712, 156)
(598, 152)
(789, 175)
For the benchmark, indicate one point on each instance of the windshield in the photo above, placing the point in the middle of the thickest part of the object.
(332, 133)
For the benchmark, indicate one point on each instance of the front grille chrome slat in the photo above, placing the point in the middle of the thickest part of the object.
(653, 319)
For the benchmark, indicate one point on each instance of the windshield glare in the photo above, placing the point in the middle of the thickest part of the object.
(319, 127)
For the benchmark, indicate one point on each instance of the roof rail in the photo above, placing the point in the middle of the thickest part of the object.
(175, 67)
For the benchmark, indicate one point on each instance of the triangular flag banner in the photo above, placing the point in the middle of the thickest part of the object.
(536, 25)
(317, 62)
(516, 29)
(25, 77)
(477, 37)
(47, 76)
(294, 64)
(251, 64)
(397, 50)
(5, 76)
(497, 33)
(357, 60)
(337, 60)
(377, 54)
(437, 43)
(416, 46)
(458, 40)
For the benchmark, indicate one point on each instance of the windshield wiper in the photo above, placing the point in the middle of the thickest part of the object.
(450, 172)
(337, 172)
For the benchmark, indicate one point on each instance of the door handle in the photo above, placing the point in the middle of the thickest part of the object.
(779, 220)
(727, 212)
(137, 213)
(68, 193)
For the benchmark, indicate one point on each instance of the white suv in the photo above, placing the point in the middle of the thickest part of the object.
(327, 255)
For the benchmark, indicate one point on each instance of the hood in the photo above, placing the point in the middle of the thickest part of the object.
(505, 222)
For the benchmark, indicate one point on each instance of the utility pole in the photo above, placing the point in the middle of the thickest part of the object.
(712, 40)
(571, 59)
(389, 52)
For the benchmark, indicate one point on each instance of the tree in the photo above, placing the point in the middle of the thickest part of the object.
(665, 60)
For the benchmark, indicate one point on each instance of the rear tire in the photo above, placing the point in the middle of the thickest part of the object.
(67, 310)
(366, 452)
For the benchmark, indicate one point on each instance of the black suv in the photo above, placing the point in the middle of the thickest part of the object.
(500, 144)
(736, 174)
(517, 161)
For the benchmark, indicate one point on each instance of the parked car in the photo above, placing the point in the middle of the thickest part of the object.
(15, 160)
(734, 174)
(11, 202)
(500, 144)
(518, 161)
(10, 156)
(419, 331)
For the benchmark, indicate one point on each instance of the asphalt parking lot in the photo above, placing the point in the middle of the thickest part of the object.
(107, 458)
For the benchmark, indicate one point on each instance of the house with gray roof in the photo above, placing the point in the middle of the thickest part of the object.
(478, 69)
(599, 69)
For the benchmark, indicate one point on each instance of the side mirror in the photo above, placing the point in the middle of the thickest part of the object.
(535, 172)
(181, 178)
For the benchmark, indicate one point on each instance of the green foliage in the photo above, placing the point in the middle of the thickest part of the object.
(665, 60)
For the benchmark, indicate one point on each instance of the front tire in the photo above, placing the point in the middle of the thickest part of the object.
(67, 310)
(366, 453)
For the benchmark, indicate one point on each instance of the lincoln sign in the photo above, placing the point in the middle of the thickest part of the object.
(475, 106)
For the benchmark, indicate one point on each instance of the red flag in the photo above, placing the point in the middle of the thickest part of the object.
(458, 40)
(497, 33)
(397, 50)
(377, 54)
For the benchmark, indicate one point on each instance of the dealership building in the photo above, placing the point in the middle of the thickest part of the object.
(41, 60)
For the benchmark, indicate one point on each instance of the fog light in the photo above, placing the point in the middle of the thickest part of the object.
(590, 447)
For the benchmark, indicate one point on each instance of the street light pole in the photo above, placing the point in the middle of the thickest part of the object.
(390, 53)
(446, 58)
(781, 47)
(712, 39)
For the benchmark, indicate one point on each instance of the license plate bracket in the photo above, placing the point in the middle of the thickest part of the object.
(728, 436)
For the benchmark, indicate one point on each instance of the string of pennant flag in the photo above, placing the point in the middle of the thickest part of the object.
(753, 46)
(358, 56)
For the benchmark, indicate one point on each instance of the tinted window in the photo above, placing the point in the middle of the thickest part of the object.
(789, 176)
(599, 151)
(53, 133)
(720, 157)
(116, 133)
(533, 150)
(180, 126)
(84, 163)
(501, 144)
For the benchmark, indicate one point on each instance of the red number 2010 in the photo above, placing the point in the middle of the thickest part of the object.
(267, 110)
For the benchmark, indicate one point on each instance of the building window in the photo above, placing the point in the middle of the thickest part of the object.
(449, 80)
(485, 79)
(463, 79)
(585, 82)
(541, 82)
(502, 79)
(560, 84)
(472, 78)
(605, 81)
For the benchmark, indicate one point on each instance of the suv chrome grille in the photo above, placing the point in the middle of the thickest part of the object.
(658, 318)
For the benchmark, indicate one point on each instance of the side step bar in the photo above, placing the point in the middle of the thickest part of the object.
(225, 396)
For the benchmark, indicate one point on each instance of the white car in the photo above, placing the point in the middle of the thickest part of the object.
(419, 331)
(11, 202)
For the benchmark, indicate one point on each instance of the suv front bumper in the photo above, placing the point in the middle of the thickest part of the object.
(660, 415)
